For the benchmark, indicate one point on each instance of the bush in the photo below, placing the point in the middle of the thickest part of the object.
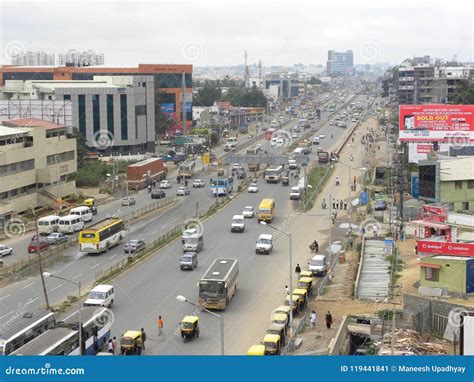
(92, 173)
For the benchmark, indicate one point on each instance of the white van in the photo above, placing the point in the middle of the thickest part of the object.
(70, 224)
(83, 211)
(48, 224)
(298, 151)
(101, 295)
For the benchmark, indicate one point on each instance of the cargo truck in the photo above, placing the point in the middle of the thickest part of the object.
(323, 157)
(141, 174)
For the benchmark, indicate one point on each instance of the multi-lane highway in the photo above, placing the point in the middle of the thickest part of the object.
(150, 287)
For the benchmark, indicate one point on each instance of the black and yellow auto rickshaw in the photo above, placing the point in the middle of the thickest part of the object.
(129, 341)
(306, 283)
(272, 343)
(295, 303)
(256, 350)
(283, 309)
(90, 202)
(279, 318)
(302, 297)
(306, 274)
(189, 327)
(278, 329)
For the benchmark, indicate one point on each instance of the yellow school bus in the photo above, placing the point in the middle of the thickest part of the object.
(266, 210)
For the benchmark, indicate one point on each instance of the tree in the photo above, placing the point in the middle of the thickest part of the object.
(252, 97)
(162, 122)
(464, 94)
(81, 146)
(314, 81)
(208, 93)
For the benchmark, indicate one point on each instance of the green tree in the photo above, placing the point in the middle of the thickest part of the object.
(314, 81)
(208, 93)
(81, 146)
(464, 94)
(252, 97)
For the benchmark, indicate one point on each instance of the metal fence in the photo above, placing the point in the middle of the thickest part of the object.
(290, 346)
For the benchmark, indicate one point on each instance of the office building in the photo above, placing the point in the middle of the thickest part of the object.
(340, 63)
(113, 113)
(281, 85)
(37, 161)
(169, 90)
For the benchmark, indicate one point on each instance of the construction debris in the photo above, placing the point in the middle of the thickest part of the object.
(407, 342)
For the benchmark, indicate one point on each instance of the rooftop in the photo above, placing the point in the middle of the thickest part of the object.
(32, 122)
(6, 131)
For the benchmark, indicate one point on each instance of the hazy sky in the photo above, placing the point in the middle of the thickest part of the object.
(217, 32)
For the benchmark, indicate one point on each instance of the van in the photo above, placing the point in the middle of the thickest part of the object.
(232, 142)
(189, 260)
(298, 151)
(266, 210)
(101, 295)
(264, 244)
(238, 224)
(193, 243)
(70, 224)
(318, 265)
(83, 211)
(295, 193)
(48, 224)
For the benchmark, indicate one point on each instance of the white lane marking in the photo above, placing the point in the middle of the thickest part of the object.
(79, 275)
(67, 265)
(27, 286)
(111, 257)
(4, 297)
(95, 266)
(32, 301)
(56, 287)
(8, 315)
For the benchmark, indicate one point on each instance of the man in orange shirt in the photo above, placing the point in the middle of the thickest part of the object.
(160, 325)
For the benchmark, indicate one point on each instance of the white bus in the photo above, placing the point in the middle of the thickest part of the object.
(186, 169)
(219, 284)
(273, 174)
(70, 224)
(48, 224)
(83, 211)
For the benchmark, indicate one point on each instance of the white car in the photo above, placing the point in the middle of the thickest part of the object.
(248, 212)
(322, 136)
(182, 191)
(188, 233)
(264, 244)
(4, 250)
(165, 184)
(331, 122)
(315, 140)
(128, 201)
(198, 183)
(253, 188)
(294, 136)
(238, 224)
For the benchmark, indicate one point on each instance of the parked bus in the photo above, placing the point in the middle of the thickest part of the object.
(63, 339)
(101, 236)
(19, 330)
(48, 224)
(273, 174)
(222, 187)
(219, 284)
(70, 224)
(266, 210)
(83, 211)
(186, 169)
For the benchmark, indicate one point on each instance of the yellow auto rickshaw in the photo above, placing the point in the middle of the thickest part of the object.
(272, 344)
(306, 274)
(90, 202)
(256, 350)
(189, 327)
(129, 342)
(283, 309)
(302, 295)
(278, 329)
(279, 318)
(306, 283)
(295, 304)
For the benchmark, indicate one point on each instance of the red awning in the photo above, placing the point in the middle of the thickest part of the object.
(425, 223)
(430, 265)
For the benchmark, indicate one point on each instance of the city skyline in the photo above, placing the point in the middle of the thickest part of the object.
(284, 36)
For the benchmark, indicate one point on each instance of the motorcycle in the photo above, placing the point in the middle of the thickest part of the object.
(314, 247)
(149, 189)
(323, 205)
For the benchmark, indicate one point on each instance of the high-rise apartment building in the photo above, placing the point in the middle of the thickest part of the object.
(76, 58)
(340, 63)
(33, 58)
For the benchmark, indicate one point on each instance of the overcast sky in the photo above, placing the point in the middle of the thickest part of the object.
(217, 32)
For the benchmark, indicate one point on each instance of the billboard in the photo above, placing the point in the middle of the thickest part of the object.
(167, 108)
(441, 123)
(446, 248)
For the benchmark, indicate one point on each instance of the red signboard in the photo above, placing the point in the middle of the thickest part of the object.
(424, 148)
(442, 123)
(446, 248)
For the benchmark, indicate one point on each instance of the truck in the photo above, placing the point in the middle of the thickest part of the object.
(186, 169)
(141, 174)
(323, 157)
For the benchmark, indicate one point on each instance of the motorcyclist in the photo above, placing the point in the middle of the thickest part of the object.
(323, 204)
(149, 188)
(316, 245)
(337, 181)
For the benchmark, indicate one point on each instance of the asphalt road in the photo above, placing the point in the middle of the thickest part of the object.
(82, 267)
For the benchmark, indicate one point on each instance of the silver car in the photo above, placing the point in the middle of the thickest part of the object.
(4, 250)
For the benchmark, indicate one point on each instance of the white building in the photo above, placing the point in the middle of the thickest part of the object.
(33, 58)
(76, 58)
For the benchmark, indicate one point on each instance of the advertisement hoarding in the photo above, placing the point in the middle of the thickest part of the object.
(441, 123)
(446, 248)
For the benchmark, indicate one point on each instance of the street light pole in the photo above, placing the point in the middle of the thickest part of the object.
(78, 283)
(40, 263)
(219, 316)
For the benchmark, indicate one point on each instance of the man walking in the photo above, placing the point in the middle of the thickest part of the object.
(328, 320)
(333, 204)
(287, 290)
(160, 324)
(298, 271)
(345, 204)
(312, 319)
(143, 338)
(341, 202)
